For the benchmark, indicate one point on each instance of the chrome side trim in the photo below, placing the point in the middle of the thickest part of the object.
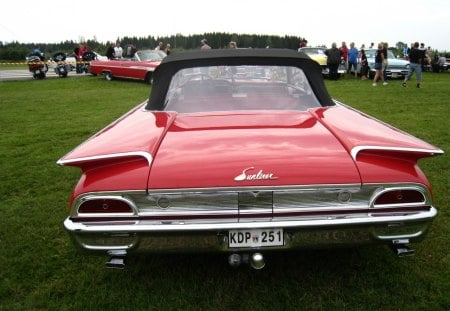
(357, 149)
(143, 154)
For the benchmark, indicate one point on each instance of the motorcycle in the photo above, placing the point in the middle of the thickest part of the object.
(86, 58)
(37, 66)
(61, 67)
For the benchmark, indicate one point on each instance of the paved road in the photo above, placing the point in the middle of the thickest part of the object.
(24, 74)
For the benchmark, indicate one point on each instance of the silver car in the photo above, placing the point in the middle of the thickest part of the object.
(397, 68)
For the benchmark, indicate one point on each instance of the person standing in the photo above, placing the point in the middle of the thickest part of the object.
(353, 59)
(385, 62)
(110, 52)
(415, 65)
(167, 49)
(205, 45)
(232, 45)
(364, 63)
(344, 54)
(333, 59)
(118, 52)
(379, 57)
(81, 66)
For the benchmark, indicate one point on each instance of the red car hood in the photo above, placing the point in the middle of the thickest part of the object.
(250, 149)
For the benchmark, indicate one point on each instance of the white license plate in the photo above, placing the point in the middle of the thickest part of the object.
(255, 238)
(394, 75)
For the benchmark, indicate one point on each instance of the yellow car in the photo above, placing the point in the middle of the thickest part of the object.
(318, 54)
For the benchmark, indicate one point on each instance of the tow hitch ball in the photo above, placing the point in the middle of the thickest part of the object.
(256, 260)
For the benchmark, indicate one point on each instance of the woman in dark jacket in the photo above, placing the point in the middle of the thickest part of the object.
(364, 64)
(333, 60)
(379, 58)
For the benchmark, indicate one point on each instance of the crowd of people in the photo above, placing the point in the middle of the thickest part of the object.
(115, 51)
(354, 60)
(418, 56)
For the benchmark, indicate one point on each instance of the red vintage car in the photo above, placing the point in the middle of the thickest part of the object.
(139, 67)
(243, 152)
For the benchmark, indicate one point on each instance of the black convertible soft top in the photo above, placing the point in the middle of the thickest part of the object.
(228, 57)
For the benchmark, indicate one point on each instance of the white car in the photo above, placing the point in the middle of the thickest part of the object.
(397, 68)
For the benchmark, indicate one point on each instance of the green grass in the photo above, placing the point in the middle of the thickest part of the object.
(41, 270)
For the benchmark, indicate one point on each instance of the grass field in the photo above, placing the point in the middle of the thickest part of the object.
(41, 270)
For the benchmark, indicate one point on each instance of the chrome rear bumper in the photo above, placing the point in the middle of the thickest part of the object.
(133, 236)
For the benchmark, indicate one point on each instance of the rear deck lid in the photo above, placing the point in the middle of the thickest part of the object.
(249, 149)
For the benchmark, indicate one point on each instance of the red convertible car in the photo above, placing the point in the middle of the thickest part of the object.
(244, 151)
(139, 67)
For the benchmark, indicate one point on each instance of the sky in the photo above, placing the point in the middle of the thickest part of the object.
(320, 22)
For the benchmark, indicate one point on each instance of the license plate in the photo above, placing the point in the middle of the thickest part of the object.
(394, 75)
(255, 238)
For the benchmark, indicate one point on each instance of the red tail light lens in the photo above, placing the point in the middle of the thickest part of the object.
(400, 197)
(104, 206)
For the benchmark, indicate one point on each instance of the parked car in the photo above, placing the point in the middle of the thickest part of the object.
(397, 67)
(139, 67)
(242, 152)
(318, 55)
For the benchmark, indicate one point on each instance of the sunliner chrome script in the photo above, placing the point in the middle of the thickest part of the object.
(258, 176)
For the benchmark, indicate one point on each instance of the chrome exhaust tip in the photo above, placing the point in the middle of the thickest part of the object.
(117, 259)
(116, 263)
(401, 248)
(405, 252)
(257, 261)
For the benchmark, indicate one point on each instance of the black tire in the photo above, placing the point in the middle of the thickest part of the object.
(108, 76)
(149, 78)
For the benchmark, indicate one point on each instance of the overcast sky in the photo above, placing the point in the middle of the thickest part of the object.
(320, 22)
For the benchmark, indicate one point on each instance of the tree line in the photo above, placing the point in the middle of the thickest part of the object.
(16, 51)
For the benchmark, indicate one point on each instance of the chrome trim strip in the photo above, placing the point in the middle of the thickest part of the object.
(77, 227)
(143, 154)
(105, 248)
(355, 150)
(311, 187)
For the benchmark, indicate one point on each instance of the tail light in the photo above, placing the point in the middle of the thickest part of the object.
(400, 196)
(105, 206)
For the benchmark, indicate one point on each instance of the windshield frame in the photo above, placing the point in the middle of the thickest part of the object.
(150, 55)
